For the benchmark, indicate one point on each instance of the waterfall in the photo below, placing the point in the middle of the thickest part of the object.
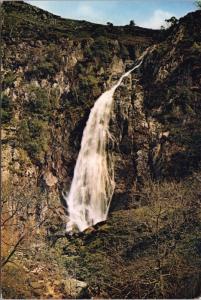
(93, 182)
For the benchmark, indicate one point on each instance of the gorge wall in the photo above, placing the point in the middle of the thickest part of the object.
(51, 86)
(51, 81)
(53, 72)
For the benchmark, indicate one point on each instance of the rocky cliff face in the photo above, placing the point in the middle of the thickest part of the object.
(53, 72)
(157, 113)
(172, 100)
(50, 85)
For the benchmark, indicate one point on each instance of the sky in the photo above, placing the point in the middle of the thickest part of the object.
(145, 13)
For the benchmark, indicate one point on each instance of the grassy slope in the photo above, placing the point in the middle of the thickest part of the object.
(25, 16)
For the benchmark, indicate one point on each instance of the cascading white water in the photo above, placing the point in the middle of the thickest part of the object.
(93, 183)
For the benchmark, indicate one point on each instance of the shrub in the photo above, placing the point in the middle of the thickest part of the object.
(100, 49)
(15, 282)
(43, 69)
(39, 102)
(80, 67)
(124, 52)
(8, 80)
(132, 23)
(88, 82)
(149, 252)
(6, 109)
(6, 116)
(33, 136)
(47, 68)
(198, 4)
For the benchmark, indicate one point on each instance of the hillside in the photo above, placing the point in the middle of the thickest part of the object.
(28, 22)
(54, 70)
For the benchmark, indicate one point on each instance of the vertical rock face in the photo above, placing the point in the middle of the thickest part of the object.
(129, 129)
(171, 82)
(52, 79)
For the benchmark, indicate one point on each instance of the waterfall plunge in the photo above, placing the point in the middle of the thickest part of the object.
(93, 182)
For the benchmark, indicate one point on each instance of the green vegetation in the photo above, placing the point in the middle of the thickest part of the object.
(124, 52)
(198, 4)
(149, 252)
(33, 136)
(172, 21)
(16, 278)
(196, 48)
(132, 23)
(45, 69)
(8, 80)
(19, 17)
(87, 84)
(39, 102)
(153, 251)
(6, 109)
(29, 272)
(47, 63)
(34, 129)
(110, 24)
(101, 50)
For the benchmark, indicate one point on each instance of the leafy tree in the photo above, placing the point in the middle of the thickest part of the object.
(172, 21)
(6, 109)
(109, 24)
(132, 23)
(198, 3)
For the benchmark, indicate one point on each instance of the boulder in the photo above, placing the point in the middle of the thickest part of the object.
(76, 288)
(50, 179)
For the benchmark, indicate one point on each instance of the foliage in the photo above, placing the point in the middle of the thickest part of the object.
(132, 23)
(29, 270)
(172, 21)
(46, 27)
(196, 48)
(145, 252)
(33, 136)
(100, 49)
(8, 80)
(198, 4)
(124, 52)
(15, 283)
(87, 82)
(43, 69)
(6, 109)
(109, 24)
(39, 102)
(80, 67)
(33, 131)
